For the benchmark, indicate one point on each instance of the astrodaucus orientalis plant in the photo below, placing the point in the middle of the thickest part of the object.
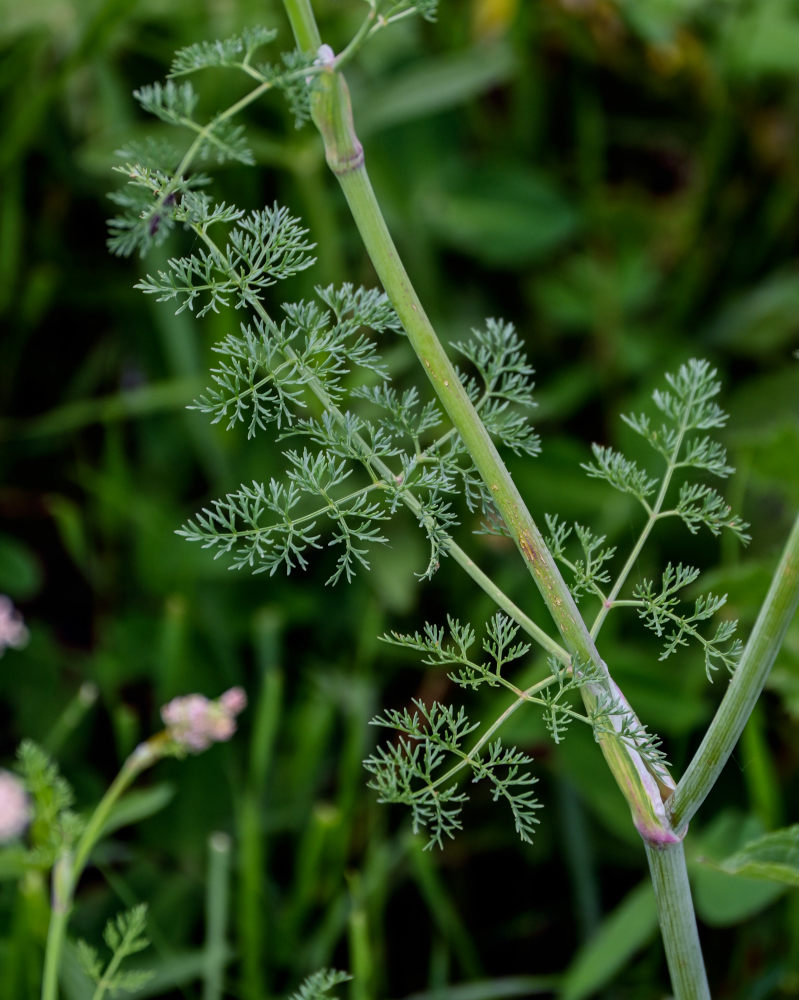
(360, 450)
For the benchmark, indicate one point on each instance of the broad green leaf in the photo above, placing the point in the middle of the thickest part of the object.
(764, 319)
(20, 575)
(501, 214)
(622, 933)
(774, 856)
(433, 86)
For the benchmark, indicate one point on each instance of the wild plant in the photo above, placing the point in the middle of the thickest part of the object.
(360, 449)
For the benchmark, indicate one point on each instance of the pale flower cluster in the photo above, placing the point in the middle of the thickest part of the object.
(195, 722)
(15, 812)
(13, 633)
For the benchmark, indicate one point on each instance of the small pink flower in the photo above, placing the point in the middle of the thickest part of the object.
(13, 633)
(195, 722)
(15, 811)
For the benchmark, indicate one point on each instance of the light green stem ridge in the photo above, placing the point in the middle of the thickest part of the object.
(744, 689)
(677, 922)
(642, 785)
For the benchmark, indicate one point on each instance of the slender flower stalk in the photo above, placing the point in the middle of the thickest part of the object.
(193, 723)
(69, 867)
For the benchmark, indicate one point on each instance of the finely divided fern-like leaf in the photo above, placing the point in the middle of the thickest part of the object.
(622, 473)
(291, 78)
(236, 51)
(394, 8)
(687, 405)
(700, 505)
(265, 527)
(318, 985)
(659, 610)
(55, 826)
(265, 369)
(172, 102)
(590, 573)
(503, 385)
(409, 771)
(124, 935)
(264, 247)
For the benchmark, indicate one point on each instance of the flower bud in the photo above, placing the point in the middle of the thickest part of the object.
(195, 722)
(13, 633)
(15, 811)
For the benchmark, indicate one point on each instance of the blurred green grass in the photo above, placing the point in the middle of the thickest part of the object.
(621, 181)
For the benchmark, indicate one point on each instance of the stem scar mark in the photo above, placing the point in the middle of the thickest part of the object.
(526, 545)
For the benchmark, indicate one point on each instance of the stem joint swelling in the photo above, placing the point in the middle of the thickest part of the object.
(331, 110)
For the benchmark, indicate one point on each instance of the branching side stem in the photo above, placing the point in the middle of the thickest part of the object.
(747, 682)
(642, 785)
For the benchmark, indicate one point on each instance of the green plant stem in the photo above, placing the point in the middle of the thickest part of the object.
(69, 868)
(643, 784)
(677, 922)
(744, 689)
(216, 915)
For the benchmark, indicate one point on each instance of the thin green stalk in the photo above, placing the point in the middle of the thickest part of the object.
(360, 949)
(677, 922)
(216, 915)
(744, 689)
(71, 717)
(643, 782)
(253, 909)
(60, 908)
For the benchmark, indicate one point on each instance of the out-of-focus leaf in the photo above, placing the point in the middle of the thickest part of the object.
(764, 403)
(766, 318)
(502, 214)
(585, 289)
(621, 934)
(20, 575)
(657, 20)
(762, 39)
(13, 863)
(723, 899)
(774, 856)
(434, 85)
(138, 805)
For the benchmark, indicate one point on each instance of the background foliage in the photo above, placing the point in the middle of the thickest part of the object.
(618, 179)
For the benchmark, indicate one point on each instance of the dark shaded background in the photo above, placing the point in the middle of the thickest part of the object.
(621, 181)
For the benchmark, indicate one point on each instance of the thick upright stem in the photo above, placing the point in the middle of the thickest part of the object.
(677, 922)
(744, 689)
(643, 784)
